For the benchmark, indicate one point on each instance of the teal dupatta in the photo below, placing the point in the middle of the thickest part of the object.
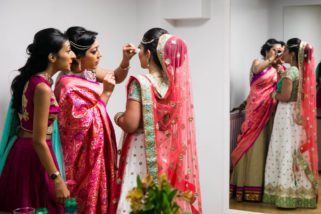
(9, 136)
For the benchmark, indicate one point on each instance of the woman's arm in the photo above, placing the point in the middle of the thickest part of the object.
(40, 125)
(109, 85)
(286, 90)
(130, 121)
(258, 66)
(121, 71)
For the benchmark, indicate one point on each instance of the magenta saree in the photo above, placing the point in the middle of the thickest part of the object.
(88, 144)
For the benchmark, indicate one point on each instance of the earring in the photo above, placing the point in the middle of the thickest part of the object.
(148, 62)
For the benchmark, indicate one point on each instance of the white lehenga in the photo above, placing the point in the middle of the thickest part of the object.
(286, 183)
(135, 166)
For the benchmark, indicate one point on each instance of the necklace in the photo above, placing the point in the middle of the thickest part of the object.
(47, 77)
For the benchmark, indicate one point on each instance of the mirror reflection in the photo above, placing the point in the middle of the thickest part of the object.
(274, 85)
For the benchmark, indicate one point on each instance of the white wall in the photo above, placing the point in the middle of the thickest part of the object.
(297, 18)
(120, 21)
(304, 22)
(19, 22)
(249, 31)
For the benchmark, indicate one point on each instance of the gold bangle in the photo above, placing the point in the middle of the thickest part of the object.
(274, 93)
(117, 116)
(125, 69)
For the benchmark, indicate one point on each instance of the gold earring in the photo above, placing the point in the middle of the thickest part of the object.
(148, 62)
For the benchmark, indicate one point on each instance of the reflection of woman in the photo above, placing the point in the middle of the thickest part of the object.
(291, 172)
(87, 135)
(30, 176)
(248, 158)
(159, 120)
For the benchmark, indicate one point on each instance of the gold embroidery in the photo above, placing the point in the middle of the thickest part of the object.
(24, 115)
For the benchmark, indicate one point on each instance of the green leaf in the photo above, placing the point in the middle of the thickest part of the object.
(166, 205)
(139, 182)
(171, 195)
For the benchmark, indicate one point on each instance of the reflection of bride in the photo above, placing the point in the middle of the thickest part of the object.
(291, 171)
(248, 158)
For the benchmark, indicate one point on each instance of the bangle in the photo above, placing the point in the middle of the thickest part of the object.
(125, 69)
(273, 95)
(117, 116)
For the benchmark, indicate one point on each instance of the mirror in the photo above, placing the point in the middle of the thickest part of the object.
(253, 22)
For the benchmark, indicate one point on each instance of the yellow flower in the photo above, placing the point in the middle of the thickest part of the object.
(135, 194)
(188, 195)
(147, 181)
(162, 179)
(135, 197)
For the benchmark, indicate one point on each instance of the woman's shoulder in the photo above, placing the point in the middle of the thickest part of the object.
(291, 73)
(38, 82)
(293, 70)
(36, 79)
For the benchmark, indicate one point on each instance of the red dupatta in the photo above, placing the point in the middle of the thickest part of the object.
(305, 112)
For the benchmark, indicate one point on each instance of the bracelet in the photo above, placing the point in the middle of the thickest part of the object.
(117, 116)
(273, 95)
(125, 69)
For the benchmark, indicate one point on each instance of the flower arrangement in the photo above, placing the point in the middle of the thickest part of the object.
(151, 198)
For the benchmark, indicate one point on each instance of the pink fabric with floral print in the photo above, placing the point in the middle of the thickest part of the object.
(259, 108)
(88, 144)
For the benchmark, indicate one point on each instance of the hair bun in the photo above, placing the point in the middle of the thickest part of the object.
(31, 49)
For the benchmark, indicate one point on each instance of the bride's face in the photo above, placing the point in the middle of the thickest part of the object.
(144, 57)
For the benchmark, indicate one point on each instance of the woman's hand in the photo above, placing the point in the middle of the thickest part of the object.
(62, 193)
(129, 51)
(109, 82)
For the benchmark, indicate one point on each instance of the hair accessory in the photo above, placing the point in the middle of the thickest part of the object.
(293, 46)
(79, 47)
(147, 42)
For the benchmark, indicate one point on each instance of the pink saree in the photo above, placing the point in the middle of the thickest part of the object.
(259, 108)
(88, 144)
(168, 120)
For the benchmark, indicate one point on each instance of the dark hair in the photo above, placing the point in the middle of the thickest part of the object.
(80, 37)
(45, 41)
(294, 46)
(268, 45)
(318, 71)
(153, 34)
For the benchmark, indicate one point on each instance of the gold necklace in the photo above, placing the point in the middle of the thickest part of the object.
(47, 77)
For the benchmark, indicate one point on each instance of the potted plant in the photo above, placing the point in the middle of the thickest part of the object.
(150, 197)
